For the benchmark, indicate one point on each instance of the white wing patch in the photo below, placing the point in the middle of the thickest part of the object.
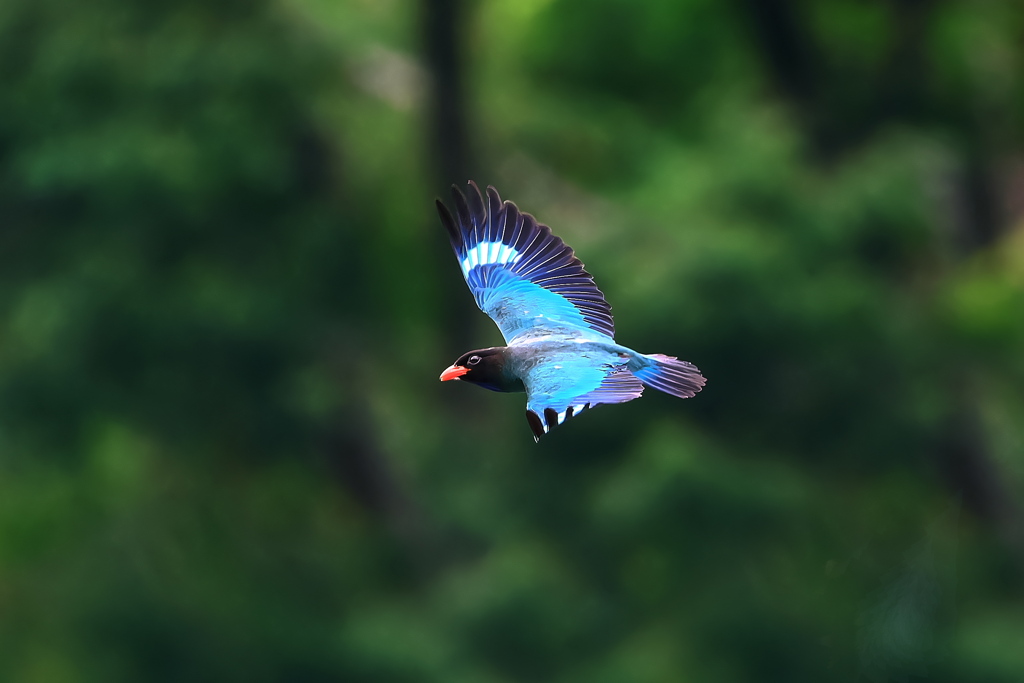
(541, 422)
(488, 253)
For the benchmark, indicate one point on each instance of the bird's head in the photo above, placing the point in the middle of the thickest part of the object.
(485, 367)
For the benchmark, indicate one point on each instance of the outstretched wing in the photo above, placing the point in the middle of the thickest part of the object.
(522, 276)
(558, 391)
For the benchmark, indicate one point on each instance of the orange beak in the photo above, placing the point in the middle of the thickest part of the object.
(453, 372)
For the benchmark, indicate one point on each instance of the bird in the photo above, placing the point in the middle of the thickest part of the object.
(559, 334)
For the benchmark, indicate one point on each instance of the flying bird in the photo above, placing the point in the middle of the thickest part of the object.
(559, 334)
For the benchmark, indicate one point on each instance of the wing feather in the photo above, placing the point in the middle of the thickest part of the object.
(551, 400)
(525, 278)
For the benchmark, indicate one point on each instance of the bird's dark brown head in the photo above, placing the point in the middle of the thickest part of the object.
(485, 367)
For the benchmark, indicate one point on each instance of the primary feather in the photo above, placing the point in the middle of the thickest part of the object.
(520, 274)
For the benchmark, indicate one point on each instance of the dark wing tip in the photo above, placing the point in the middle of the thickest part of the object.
(494, 206)
(448, 221)
(536, 426)
(462, 214)
(531, 219)
(476, 204)
(470, 210)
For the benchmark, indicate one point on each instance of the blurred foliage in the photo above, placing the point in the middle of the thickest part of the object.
(224, 302)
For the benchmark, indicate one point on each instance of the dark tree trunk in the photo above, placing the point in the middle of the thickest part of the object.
(450, 159)
(443, 32)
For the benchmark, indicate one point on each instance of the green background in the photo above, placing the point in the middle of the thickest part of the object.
(225, 300)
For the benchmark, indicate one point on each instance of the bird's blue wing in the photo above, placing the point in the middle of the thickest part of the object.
(526, 279)
(559, 390)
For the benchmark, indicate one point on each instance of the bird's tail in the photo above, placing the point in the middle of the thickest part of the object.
(671, 375)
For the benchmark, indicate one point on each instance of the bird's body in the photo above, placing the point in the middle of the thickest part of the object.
(557, 325)
(542, 357)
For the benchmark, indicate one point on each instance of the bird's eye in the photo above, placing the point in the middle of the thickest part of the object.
(473, 360)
